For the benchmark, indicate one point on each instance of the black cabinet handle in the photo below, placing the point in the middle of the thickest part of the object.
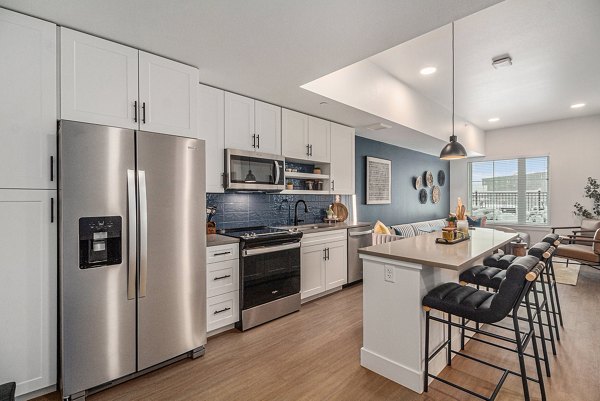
(51, 210)
(327, 253)
(221, 311)
(307, 150)
(135, 119)
(222, 277)
(222, 253)
(143, 112)
(51, 168)
(258, 141)
(254, 141)
(310, 150)
(333, 185)
(324, 253)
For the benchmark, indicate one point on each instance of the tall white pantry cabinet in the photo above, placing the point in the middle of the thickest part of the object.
(28, 229)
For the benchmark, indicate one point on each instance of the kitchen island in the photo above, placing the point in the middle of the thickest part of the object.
(396, 277)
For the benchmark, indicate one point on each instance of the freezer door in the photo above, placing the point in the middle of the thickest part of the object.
(97, 304)
(172, 257)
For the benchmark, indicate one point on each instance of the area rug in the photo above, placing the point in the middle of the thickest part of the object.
(566, 275)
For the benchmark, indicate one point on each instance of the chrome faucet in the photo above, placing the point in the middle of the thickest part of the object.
(296, 220)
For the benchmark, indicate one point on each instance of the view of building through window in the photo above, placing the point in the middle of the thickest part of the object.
(510, 191)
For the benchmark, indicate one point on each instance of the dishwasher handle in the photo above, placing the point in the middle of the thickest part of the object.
(359, 233)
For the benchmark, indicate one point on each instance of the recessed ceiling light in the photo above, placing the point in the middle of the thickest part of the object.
(577, 105)
(494, 119)
(428, 70)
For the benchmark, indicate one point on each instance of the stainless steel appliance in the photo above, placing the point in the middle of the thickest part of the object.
(269, 274)
(254, 171)
(358, 237)
(132, 253)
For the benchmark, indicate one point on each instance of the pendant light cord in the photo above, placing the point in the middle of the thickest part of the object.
(453, 78)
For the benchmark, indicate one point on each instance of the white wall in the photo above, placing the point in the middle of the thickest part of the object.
(366, 86)
(574, 149)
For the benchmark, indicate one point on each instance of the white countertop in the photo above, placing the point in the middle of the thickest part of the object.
(424, 250)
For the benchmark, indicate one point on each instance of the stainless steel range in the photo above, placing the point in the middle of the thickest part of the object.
(269, 273)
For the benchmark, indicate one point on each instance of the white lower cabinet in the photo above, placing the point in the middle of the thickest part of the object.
(222, 286)
(28, 288)
(324, 262)
(222, 310)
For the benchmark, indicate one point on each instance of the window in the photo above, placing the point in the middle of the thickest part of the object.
(513, 191)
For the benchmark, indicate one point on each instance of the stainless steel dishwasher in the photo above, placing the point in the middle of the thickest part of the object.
(358, 237)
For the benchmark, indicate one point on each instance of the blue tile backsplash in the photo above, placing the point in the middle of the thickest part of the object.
(247, 210)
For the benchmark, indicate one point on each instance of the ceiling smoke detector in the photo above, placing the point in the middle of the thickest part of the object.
(502, 61)
(377, 127)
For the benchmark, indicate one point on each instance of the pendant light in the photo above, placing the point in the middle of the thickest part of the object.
(453, 150)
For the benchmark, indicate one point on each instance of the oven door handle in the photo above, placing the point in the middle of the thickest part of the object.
(269, 249)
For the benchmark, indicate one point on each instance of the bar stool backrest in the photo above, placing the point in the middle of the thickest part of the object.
(539, 249)
(514, 286)
(552, 239)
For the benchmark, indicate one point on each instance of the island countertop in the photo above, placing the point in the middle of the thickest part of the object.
(423, 249)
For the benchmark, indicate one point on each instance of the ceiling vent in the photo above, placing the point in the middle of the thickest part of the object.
(377, 127)
(502, 61)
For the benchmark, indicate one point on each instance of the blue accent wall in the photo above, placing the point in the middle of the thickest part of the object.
(406, 164)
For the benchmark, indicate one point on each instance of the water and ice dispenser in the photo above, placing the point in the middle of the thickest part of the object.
(100, 241)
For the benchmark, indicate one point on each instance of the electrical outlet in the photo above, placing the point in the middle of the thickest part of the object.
(388, 274)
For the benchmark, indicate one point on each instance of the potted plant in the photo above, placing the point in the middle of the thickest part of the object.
(290, 185)
(592, 191)
(451, 220)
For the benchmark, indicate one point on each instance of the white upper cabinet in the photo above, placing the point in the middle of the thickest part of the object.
(319, 138)
(342, 159)
(168, 96)
(267, 125)
(252, 125)
(211, 122)
(28, 110)
(28, 289)
(99, 80)
(239, 122)
(99, 85)
(305, 137)
(294, 134)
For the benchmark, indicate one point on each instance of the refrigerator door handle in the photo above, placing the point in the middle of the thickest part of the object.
(132, 234)
(143, 233)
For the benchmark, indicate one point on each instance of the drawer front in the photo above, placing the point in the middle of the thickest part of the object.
(220, 253)
(325, 237)
(222, 310)
(222, 277)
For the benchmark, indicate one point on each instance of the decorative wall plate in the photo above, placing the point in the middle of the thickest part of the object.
(441, 178)
(435, 194)
(418, 182)
(423, 196)
(429, 178)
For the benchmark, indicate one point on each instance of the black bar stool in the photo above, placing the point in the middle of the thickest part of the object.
(485, 307)
(492, 277)
(554, 240)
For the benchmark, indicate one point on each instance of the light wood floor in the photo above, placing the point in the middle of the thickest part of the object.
(314, 355)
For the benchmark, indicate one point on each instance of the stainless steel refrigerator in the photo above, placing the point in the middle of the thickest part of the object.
(132, 252)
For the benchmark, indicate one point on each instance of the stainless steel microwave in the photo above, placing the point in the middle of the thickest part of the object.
(253, 171)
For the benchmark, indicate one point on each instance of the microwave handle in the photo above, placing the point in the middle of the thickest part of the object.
(276, 172)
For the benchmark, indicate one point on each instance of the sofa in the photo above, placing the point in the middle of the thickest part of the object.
(400, 231)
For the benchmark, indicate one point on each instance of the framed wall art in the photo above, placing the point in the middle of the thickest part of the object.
(379, 181)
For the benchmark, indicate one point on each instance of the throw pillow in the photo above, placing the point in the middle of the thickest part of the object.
(381, 228)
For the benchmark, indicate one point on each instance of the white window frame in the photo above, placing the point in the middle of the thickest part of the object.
(517, 223)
